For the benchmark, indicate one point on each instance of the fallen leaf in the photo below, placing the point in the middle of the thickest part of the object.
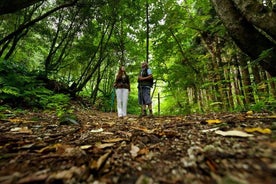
(213, 121)
(100, 162)
(84, 147)
(134, 150)
(249, 113)
(235, 133)
(143, 151)
(144, 129)
(28, 146)
(97, 130)
(125, 133)
(113, 140)
(53, 148)
(22, 130)
(261, 130)
(210, 130)
(105, 145)
(66, 174)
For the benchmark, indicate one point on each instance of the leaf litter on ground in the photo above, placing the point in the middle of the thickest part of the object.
(101, 148)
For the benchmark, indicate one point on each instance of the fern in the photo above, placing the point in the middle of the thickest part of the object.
(10, 90)
(20, 87)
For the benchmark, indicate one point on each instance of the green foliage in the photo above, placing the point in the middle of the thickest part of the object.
(58, 102)
(94, 38)
(103, 103)
(133, 107)
(263, 106)
(20, 88)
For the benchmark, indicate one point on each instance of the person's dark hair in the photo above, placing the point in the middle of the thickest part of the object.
(121, 72)
(145, 64)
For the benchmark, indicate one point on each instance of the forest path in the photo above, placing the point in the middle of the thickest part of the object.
(101, 148)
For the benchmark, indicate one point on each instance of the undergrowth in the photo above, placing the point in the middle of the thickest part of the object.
(21, 88)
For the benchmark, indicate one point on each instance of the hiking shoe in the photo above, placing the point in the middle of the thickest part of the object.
(150, 115)
(144, 113)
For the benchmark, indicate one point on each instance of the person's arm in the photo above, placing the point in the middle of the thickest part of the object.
(147, 77)
(116, 82)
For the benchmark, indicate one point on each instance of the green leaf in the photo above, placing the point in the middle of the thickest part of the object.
(11, 91)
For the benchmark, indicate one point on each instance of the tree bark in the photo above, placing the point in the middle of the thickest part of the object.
(249, 39)
(258, 15)
(247, 86)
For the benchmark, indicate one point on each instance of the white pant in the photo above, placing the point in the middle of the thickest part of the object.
(122, 97)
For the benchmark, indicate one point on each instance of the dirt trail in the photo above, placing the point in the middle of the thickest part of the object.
(101, 148)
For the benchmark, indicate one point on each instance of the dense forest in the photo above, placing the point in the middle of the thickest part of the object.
(214, 95)
(206, 56)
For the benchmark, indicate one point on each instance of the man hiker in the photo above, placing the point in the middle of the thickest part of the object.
(145, 82)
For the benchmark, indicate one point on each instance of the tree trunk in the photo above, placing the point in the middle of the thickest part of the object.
(259, 15)
(247, 87)
(15, 42)
(229, 93)
(272, 86)
(147, 36)
(248, 38)
(211, 43)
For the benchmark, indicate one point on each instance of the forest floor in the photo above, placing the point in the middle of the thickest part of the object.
(100, 148)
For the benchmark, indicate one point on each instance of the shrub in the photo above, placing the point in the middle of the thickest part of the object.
(20, 87)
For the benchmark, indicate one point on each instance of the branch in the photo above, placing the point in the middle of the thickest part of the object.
(11, 6)
(31, 23)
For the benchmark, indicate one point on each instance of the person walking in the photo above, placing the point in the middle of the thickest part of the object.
(145, 82)
(122, 86)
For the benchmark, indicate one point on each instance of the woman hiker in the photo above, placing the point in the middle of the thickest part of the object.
(122, 86)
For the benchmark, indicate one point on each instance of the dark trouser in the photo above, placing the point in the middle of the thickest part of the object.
(144, 95)
(144, 98)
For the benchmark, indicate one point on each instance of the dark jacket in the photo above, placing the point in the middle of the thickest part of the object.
(147, 82)
(122, 82)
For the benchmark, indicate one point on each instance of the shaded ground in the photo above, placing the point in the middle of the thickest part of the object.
(100, 148)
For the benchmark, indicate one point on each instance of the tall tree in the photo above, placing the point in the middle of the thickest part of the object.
(252, 30)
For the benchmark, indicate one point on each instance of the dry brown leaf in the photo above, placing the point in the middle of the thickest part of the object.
(96, 165)
(169, 133)
(113, 140)
(125, 133)
(47, 149)
(144, 129)
(58, 148)
(19, 120)
(22, 130)
(104, 145)
(143, 151)
(66, 174)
